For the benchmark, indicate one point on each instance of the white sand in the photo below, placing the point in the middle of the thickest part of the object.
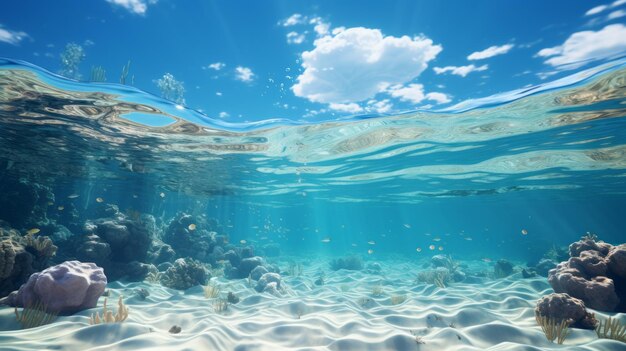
(489, 315)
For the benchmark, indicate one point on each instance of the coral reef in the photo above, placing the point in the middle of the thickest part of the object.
(270, 283)
(24, 203)
(108, 316)
(559, 307)
(595, 273)
(184, 274)
(502, 269)
(66, 288)
(189, 237)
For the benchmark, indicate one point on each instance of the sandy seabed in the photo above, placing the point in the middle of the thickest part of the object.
(348, 312)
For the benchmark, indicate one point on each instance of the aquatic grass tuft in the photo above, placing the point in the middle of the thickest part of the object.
(220, 306)
(211, 291)
(553, 329)
(34, 315)
(611, 329)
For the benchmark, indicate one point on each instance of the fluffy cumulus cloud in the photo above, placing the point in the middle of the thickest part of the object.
(490, 52)
(355, 64)
(462, 71)
(587, 46)
(135, 6)
(414, 93)
(244, 74)
(295, 38)
(224, 114)
(11, 36)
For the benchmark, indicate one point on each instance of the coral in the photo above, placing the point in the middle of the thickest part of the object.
(353, 263)
(108, 316)
(184, 274)
(232, 298)
(439, 277)
(594, 273)
(66, 288)
(269, 282)
(23, 203)
(559, 307)
(188, 237)
(7, 258)
(211, 291)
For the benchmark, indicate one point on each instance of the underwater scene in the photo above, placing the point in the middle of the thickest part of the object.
(235, 175)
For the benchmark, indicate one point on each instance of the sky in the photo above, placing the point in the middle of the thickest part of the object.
(319, 60)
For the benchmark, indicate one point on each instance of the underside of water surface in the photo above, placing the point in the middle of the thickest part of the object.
(418, 231)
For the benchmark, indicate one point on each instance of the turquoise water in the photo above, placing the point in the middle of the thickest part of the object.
(548, 160)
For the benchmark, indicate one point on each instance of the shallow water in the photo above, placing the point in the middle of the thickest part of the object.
(505, 177)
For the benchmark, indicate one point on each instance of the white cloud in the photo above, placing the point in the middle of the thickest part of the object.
(586, 46)
(596, 10)
(224, 114)
(439, 98)
(244, 74)
(490, 52)
(321, 28)
(460, 70)
(11, 36)
(415, 93)
(382, 106)
(216, 66)
(295, 38)
(357, 63)
(616, 14)
(138, 7)
(218, 93)
(601, 8)
(293, 20)
(349, 107)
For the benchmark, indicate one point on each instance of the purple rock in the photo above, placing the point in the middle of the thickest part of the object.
(66, 288)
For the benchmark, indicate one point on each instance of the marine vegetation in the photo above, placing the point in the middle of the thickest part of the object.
(553, 329)
(108, 316)
(611, 329)
(34, 315)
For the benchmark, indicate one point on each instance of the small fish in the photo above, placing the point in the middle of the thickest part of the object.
(370, 251)
(32, 231)
(371, 242)
(524, 232)
(99, 200)
(468, 238)
(61, 208)
(242, 242)
(135, 196)
(486, 259)
(440, 248)
(191, 227)
(431, 247)
(162, 195)
(73, 196)
(407, 226)
(326, 240)
(437, 239)
(419, 249)
(50, 203)
(353, 245)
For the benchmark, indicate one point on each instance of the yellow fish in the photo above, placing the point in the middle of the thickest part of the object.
(524, 232)
(370, 251)
(432, 247)
(99, 200)
(419, 249)
(440, 248)
(73, 196)
(326, 240)
(33, 231)
(191, 226)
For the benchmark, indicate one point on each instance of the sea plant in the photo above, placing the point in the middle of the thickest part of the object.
(377, 290)
(108, 316)
(553, 329)
(34, 315)
(220, 306)
(211, 291)
(295, 269)
(98, 74)
(611, 329)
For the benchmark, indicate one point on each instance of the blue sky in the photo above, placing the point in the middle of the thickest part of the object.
(248, 61)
